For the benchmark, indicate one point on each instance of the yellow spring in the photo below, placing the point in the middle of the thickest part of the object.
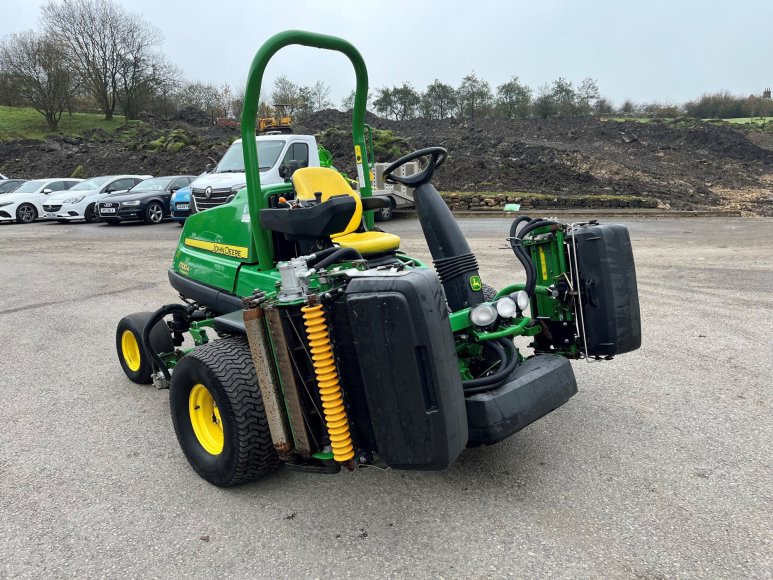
(327, 382)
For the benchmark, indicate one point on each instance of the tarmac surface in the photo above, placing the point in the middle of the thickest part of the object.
(660, 467)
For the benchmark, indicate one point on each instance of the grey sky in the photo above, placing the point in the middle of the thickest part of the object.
(657, 50)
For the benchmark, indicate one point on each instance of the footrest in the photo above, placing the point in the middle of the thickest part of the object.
(536, 387)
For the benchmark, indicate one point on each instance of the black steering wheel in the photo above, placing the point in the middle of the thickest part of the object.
(438, 156)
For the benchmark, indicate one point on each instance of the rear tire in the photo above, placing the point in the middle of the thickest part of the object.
(134, 359)
(218, 414)
(26, 213)
(90, 215)
(154, 213)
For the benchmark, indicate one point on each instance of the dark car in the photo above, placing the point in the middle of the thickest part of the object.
(147, 201)
(9, 185)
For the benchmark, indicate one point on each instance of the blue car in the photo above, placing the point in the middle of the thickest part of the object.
(181, 204)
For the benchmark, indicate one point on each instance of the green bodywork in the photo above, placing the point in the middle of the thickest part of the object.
(225, 248)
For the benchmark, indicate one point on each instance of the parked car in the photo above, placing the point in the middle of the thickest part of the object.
(147, 201)
(3, 176)
(181, 204)
(25, 204)
(80, 201)
(9, 185)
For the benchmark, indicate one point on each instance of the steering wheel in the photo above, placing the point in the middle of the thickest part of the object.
(438, 156)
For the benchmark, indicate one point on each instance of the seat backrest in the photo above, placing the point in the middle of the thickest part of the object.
(309, 180)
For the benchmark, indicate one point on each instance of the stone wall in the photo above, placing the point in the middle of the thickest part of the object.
(493, 202)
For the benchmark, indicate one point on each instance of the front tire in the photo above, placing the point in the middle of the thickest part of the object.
(134, 359)
(218, 414)
(26, 213)
(90, 215)
(154, 213)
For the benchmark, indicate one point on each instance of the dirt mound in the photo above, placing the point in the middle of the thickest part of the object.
(676, 164)
(682, 164)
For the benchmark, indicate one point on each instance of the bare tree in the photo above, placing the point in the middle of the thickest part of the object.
(36, 68)
(113, 50)
(138, 63)
(89, 29)
(321, 96)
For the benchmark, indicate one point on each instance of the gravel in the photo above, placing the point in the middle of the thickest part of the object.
(659, 467)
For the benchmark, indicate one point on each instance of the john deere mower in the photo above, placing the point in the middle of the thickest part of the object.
(307, 338)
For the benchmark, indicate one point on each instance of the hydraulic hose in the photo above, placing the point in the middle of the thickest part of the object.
(523, 255)
(317, 256)
(157, 316)
(508, 354)
(339, 254)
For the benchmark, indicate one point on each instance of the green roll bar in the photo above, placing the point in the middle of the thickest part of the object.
(255, 197)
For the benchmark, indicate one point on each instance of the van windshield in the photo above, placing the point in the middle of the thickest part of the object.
(233, 160)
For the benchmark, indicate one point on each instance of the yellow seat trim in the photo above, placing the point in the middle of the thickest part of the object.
(368, 242)
(308, 180)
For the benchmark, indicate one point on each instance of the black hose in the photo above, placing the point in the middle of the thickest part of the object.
(158, 315)
(339, 254)
(321, 254)
(522, 254)
(508, 354)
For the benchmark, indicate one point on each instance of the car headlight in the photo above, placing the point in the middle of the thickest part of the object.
(483, 314)
(5, 203)
(74, 200)
(506, 307)
(237, 188)
(131, 203)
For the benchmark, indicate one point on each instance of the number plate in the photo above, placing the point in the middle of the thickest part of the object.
(180, 206)
(106, 210)
(51, 215)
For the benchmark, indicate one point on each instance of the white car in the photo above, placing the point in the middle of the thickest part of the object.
(25, 204)
(3, 176)
(80, 201)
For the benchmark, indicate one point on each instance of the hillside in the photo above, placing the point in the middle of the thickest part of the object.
(681, 165)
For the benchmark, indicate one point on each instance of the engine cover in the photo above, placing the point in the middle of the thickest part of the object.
(399, 369)
(607, 281)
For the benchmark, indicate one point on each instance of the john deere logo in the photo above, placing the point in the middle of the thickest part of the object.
(475, 283)
(208, 192)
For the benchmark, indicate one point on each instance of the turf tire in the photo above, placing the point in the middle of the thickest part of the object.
(160, 338)
(226, 369)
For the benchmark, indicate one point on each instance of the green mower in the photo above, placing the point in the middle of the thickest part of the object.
(314, 341)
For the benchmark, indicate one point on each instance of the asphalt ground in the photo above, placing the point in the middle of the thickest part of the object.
(659, 467)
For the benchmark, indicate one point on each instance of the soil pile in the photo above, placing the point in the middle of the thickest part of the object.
(680, 165)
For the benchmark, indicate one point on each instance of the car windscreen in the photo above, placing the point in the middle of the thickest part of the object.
(30, 186)
(268, 153)
(89, 184)
(153, 184)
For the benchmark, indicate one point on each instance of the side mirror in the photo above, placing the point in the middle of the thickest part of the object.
(48, 190)
(172, 190)
(109, 190)
(208, 168)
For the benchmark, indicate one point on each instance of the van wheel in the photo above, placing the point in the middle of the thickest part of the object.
(385, 214)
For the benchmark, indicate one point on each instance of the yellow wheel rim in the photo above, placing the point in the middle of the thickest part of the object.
(131, 350)
(205, 419)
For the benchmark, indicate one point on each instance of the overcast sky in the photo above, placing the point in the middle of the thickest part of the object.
(668, 51)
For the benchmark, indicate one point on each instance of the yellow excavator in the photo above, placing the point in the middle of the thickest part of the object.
(280, 123)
